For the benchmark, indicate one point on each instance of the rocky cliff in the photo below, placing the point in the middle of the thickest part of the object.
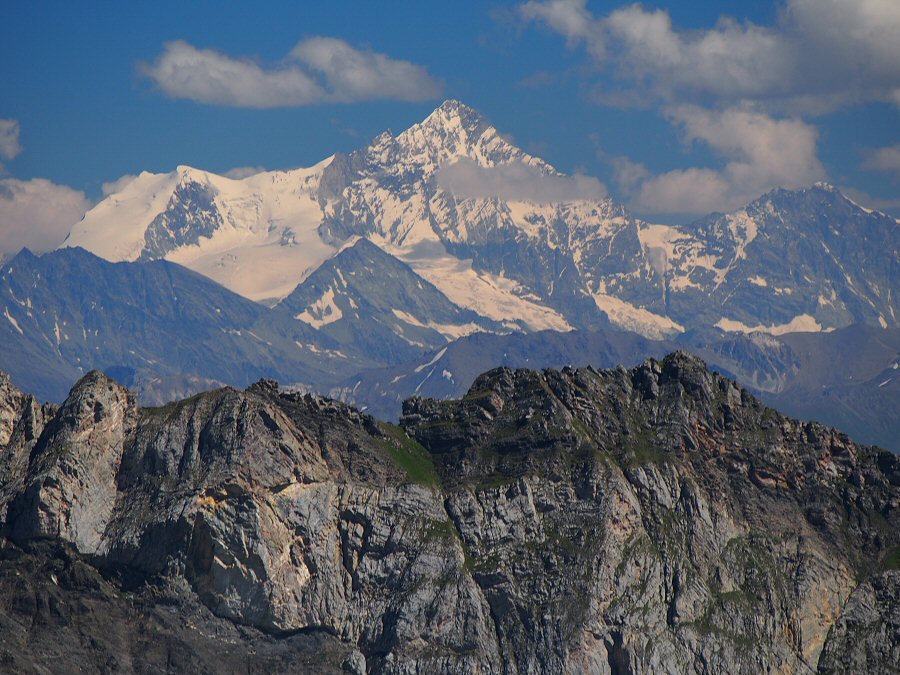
(658, 519)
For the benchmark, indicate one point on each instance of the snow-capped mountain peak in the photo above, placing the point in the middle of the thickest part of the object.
(412, 159)
(453, 124)
(257, 236)
(514, 258)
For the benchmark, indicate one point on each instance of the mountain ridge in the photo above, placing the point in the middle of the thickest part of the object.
(69, 311)
(571, 263)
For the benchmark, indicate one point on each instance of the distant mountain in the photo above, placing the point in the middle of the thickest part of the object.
(375, 304)
(809, 260)
(801, 260)
(849, 378)
(256, 236)
(68, 312)
(557, 256)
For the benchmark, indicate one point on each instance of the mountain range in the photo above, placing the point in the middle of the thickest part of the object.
(792, 260)
(446, 242)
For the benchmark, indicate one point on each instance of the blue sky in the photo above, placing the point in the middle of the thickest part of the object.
(679, 108)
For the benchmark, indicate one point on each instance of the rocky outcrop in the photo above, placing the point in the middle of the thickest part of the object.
(71, 487)
(865, 638)
(657, 519)
(61, 615)
(22, 419)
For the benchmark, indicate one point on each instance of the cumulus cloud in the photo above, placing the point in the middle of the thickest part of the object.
(517, 182)
(9, 139)
(759, 153)
(317, 70)
(818, 55)
(354, 75)
(37, 213)
(567, 17)
(883, 159)
(208, 76)
(117, 185)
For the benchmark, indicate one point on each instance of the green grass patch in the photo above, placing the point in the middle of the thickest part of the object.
(171, 409)
(439, 530)
(476, 395)
(891, 560)
(582, 431)
(409, 455)
(736, 596)
(495, 480)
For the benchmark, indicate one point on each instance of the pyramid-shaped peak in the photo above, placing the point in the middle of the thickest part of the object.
(452, 131)
(453, 107)
(455, 114)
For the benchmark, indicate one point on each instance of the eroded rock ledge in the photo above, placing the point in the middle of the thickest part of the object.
(657, 519)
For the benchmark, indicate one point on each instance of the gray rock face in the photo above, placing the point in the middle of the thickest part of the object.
(657, 519)
(190, 214)
(60, 614)
(865, 638)
(22, 419)
(71, 487)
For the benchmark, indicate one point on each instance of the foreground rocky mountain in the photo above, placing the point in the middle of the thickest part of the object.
(657, 519)
(849, 378)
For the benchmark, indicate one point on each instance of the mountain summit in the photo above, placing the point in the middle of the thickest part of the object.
(451, 124)
(807, 260)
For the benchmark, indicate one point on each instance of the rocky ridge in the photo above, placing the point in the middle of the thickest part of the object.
(657, 519)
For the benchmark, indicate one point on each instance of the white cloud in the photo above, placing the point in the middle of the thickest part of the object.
(9, 139)
(517, 182)
(567, 17)
(818, 55)
(355, 75)
(318, 70)
(37, 213)
(883, 159)
(117, 185)
(760, 153)
(208, 76)
(240, 172)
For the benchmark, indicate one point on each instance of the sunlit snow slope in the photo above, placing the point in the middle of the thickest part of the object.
(522, 260)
